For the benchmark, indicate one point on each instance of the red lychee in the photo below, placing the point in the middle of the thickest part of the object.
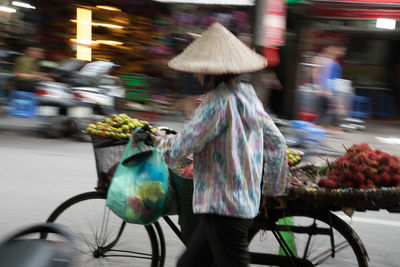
(359, 177)
(385, 179)
(365, 147)
(348, 184)
(385, 169)
(396, 180)
(363, 187)
(372, 155)
(376, 178)
(362, 158)
(333, 177)
(331, 184)
(384, 158)
(321, 182)
(348, 174)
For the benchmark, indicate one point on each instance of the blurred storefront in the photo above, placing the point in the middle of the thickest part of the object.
(368, 29)
(18, 22)
(140, 36)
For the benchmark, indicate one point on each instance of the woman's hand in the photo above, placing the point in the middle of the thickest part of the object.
(280, 202)
(157, 137)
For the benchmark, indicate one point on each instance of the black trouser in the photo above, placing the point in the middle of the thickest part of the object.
(220, 240)
(323, 108)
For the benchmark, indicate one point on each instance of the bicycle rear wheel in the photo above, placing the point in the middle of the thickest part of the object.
(312, 241)
(103, 239)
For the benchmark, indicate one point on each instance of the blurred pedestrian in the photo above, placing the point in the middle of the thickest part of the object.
(230, 136)
(326, 70)
(26, 69)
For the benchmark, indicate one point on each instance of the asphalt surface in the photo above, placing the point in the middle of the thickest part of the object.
(37, 174)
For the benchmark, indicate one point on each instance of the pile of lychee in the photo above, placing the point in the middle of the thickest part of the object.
(362, 168)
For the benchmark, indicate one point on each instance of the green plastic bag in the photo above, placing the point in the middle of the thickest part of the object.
(138, 189)
(288, 236)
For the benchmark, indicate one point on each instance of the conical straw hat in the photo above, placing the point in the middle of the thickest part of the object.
(218, 51)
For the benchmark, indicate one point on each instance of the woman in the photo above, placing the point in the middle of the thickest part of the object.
(229, 135)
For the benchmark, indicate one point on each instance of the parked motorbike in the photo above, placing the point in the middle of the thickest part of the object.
(81, 93)
(96, 99)
(54, 98)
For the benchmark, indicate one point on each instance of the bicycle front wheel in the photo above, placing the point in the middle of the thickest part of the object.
(323, 239)
(103, 239)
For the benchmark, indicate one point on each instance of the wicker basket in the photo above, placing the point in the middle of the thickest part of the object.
(108, 153)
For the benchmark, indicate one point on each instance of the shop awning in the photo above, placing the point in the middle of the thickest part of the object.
(212, 2)
(357, 9)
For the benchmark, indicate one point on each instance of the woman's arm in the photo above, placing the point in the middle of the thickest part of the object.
(276, 167)
(204, 126)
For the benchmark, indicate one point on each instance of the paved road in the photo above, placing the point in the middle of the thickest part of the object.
(37, 174)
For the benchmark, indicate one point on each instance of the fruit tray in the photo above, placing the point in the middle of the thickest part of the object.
(337, 199)
(306, 195)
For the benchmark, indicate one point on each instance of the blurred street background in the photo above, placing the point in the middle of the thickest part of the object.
(67, 63)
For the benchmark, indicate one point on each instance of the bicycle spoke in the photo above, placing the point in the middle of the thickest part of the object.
(305, 253)
(328, 253)
(313, 242)
(127, 256)
(103, 239)
(133, 252)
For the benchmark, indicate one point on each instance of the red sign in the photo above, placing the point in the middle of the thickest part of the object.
(274, 24)
(357, 13)
(371, 1)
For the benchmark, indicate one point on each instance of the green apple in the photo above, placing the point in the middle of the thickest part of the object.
(131, 125)
(119, 130)
(122, 136)
(92, 125)
(125, 128)
(89, 130)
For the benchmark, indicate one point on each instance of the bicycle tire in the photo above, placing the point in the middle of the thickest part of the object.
(94, 195)
(337, 224)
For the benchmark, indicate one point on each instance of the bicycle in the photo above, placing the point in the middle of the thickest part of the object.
(106, 236)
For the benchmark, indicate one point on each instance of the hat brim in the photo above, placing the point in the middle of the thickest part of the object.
(217, 51)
